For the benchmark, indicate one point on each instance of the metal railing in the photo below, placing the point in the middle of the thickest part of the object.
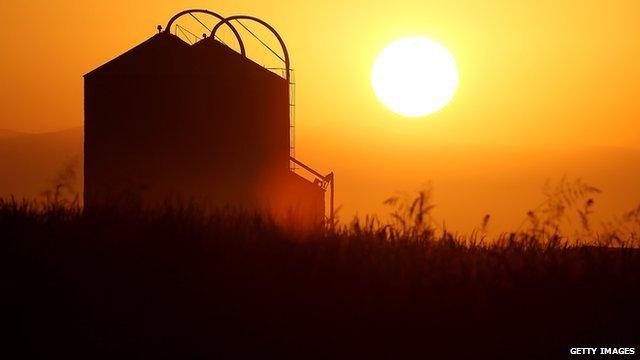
(325, 181)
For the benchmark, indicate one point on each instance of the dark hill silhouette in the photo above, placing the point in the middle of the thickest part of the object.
(28, 162)
(4, 133)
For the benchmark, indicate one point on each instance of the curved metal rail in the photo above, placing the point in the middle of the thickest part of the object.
(287, 62)
(209, 12)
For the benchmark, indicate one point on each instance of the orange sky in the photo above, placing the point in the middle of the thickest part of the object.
(533, 75)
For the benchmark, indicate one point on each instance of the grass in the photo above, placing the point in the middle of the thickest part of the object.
(180, 284)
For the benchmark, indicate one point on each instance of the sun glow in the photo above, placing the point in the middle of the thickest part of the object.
(415, 76)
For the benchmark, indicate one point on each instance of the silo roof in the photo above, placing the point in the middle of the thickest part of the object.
(158, 45)
(171, 53)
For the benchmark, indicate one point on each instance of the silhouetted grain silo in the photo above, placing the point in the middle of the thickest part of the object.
(168, 121)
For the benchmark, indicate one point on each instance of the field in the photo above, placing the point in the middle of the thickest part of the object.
(180, 284)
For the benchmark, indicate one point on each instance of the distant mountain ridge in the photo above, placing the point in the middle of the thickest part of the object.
(29, 162)
(469, 181)
(5, 133)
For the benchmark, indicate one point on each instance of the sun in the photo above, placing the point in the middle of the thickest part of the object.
(415, 76)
